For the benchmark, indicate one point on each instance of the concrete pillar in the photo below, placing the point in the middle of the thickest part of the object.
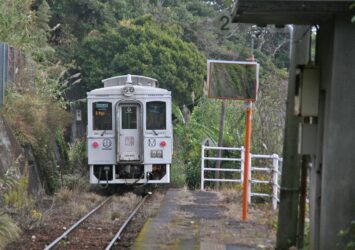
(289, 195)
(324, 58)
(338, 159)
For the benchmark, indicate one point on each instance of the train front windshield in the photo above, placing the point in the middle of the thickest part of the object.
(156, 116)
(102, 114)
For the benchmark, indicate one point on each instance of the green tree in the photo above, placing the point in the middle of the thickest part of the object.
(143, 47)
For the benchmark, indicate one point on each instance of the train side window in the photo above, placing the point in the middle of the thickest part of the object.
(102, 115)
(156, 115)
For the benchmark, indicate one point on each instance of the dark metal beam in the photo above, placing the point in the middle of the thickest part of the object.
(288, 11)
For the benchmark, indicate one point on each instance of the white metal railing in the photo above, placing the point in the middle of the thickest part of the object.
(237, 169)
(273, 169)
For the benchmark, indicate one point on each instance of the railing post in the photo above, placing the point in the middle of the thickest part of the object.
(250, 179)
(242, 152)
(275, 177)
(202, 167)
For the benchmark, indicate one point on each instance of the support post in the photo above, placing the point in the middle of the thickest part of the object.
(249, 180)
(290, 180)
(202, 167)
(246, 160)
(220, 142)
(275, 177)
(242, 160)
(302, 210)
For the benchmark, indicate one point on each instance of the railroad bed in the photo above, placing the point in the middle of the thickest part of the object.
(94, 232)
(173, 219)
(76, 233)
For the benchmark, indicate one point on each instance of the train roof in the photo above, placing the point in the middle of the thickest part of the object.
(138, 90)
(130, 79)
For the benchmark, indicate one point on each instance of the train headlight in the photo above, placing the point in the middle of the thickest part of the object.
(153, 153)
(162, 144)
(95, 144)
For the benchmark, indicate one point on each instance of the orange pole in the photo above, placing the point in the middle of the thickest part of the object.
(246, 160)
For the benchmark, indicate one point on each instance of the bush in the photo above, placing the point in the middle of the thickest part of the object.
(35, 119)
(193, 175)
(9, 231)
(18, 197)
(76, 182)
(78, 157)
(177, 173)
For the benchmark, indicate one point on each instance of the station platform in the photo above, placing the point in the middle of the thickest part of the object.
(199, 220)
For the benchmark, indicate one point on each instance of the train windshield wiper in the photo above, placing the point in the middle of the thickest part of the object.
(104, 132)
(155, 132)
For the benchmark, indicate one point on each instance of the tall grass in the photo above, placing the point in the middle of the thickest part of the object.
(9, 231)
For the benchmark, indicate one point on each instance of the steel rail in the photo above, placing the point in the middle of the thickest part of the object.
(74, 226)
(118, 234)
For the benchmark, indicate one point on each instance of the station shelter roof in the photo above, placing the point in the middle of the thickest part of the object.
(281, 12)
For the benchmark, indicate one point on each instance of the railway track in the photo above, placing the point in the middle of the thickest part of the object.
(77, 224)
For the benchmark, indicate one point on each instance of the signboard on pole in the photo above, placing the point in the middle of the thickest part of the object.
(235, 80)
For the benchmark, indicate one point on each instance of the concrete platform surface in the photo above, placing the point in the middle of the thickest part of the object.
(199, 220)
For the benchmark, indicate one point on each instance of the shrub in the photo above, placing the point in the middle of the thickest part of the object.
(77, 157)
(35, 119)
(18, 197)
(76, 182)
(178, 176)
(65, 194)
(9, 231)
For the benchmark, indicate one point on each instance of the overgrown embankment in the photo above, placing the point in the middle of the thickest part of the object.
(33, 116)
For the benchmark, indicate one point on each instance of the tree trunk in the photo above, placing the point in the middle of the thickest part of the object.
(220, 142)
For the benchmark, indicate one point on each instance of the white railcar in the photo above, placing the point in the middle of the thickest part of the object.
(129, 131)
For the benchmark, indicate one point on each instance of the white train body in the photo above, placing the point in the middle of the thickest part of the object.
(129, 132)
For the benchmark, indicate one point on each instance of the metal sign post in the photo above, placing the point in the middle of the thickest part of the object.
(236, 80)
(247, 159)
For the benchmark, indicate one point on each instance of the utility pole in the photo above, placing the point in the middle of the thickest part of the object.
(291, 168)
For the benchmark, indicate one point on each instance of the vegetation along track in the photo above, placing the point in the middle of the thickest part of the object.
(91, 232)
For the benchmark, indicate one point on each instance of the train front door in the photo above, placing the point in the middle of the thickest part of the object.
(128, 134)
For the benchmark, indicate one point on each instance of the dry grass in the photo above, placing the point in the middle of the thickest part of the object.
(77, 203)
(262, 213)
(184, 197)
(65, 194)
(78, 210)
(230, 195)
(119, 207)
(90, 198)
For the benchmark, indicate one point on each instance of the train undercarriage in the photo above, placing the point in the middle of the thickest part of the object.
(130, 174)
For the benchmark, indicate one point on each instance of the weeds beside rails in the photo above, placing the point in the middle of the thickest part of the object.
(19, 204)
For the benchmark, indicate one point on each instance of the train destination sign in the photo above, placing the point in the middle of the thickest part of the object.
(235, 80)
